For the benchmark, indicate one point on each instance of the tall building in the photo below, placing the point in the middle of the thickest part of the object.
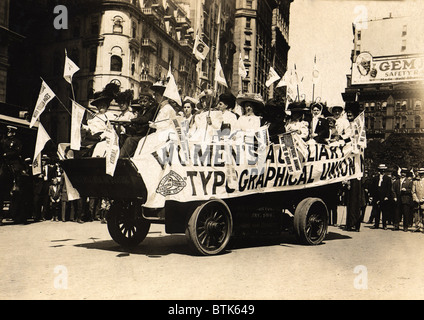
(388, 75)
(261, 37)
(131, 43)
(7, 37)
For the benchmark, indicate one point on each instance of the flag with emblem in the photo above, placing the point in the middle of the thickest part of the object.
(315, 72)
(200, 49)
(272, 77)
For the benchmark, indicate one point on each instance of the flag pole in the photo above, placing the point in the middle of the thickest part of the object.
(216, 60)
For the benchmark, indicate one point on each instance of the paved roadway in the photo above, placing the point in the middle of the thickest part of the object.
(56, 260)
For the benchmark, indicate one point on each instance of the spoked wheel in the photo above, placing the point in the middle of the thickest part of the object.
(311, 221)
(126, 224)
(209, 228)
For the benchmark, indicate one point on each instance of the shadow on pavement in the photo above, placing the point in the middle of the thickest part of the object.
(153, 247)
(156, 247)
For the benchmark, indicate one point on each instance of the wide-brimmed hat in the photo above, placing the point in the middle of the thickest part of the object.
(229, 99)
(404, 170)
(255, 98)
(331, 109)
(353, 107)
(159, 86)
(106, 95)
(11, 128)
(297, 106)
(420, 170)
(382, 167)
(124, 97)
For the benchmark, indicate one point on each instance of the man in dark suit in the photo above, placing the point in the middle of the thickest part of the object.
(381, 191)
(319, 127)
(402, 189)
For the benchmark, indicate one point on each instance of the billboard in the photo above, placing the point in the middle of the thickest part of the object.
(368, 69)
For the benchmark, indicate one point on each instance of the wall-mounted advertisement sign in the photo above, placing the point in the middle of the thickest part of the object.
(368, 69)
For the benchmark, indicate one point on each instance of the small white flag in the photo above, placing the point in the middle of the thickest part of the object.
(69, 69)
(76, 119)
(71, 192)
(283, 82)
(242, 68)
(42, 138)
(112, 149)
(219, 74)
(171, 90)
(46, 94)
(200, 49)
(272, 77)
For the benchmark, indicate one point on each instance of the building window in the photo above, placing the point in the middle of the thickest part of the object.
(359, 35)
(248, 23)
(417, 122)
(118, 25)
(418, 105)
(372, 106)
(383, 123)
(249, 4)
(247, 54)
(171, 57)
(397, 122)
(404, 105)
(403, 45)
(404, 30)
(367, 106)
(134, 29)
(397, 106)
(116, 63)
(159, 49)
(248, 40)
(403, 122)
(384, 106)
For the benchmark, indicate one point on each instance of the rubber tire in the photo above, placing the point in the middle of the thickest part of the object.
(126, 225)
(311, 221)
(218, 228)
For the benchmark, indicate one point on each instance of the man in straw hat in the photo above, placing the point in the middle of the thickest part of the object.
(381, 192)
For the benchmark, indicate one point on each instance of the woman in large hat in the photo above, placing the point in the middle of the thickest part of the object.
(296, 122)
(252, 106)
(319, 126)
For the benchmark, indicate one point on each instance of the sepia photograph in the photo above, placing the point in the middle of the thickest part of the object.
(211, 155)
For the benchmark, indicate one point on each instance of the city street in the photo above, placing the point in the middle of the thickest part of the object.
(57, 260)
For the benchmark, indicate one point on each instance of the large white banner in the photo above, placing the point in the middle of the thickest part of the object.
(230, 169)
(368, 69)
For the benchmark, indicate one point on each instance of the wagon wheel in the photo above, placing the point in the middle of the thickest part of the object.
(126, 224)
(311, 221)
(209, 227)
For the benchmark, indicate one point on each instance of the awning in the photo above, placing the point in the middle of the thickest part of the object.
(18, 122)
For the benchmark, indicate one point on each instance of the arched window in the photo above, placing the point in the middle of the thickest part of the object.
(115, 63)
(116, 59)
(403, 122)
(118, 24)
